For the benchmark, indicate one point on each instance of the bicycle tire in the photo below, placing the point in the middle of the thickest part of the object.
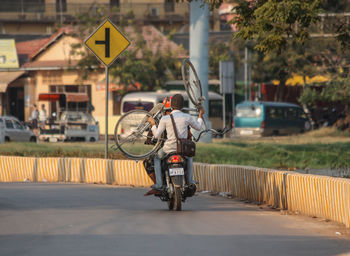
(194, 89)
(140, 124)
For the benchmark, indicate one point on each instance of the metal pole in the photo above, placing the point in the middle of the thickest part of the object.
(246, 73)
(106, 116)
(222, 90)
(233, 99)
(224, 110)
(199, 51)
(249, 75)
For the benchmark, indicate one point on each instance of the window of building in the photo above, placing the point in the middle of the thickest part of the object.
(61, 5)
(54, 106)
(113, 3)
(22, 6)
(169, 6)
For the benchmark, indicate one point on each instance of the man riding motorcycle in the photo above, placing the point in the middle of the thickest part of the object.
(182, 121)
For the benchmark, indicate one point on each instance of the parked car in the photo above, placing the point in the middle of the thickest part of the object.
(71, 125)
(2, 131)
(269, 118)
(73, 121)
(15, 130)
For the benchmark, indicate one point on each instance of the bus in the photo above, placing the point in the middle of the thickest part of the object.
(269, 118)
(147, 100)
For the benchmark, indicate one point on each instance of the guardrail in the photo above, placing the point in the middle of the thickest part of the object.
(312, 195)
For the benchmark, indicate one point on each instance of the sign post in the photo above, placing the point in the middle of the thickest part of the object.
(107, 43)
(227, 86)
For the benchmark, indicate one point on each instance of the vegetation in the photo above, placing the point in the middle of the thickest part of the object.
(279, 31)
(325, 148)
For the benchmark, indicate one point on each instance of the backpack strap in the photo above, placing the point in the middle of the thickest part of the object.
(174, 126)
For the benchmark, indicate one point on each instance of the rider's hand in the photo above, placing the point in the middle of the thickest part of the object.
(201, 112)
(151, 121)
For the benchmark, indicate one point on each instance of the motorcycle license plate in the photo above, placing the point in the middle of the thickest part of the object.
(176, 171)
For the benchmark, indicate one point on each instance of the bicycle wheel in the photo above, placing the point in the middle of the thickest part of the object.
(131, 133)
(192, 83)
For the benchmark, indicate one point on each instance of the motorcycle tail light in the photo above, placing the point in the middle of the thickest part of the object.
(122, 130)
(175, 159)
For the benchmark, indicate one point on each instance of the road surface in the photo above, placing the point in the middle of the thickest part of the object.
(79, 219)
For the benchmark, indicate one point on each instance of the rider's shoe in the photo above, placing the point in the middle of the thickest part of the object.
(153, 192)
(156, 187)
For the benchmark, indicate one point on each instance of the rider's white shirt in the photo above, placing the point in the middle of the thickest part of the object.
(182, 121)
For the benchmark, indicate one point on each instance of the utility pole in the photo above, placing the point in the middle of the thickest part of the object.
(199, 51)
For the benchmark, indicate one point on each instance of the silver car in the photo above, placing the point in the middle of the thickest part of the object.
(16, 131)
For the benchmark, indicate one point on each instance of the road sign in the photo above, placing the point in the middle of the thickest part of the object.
(107, 42)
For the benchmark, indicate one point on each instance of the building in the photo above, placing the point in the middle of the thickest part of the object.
(44, 16)
(47, 66)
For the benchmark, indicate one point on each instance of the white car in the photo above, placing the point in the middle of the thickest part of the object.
(15, 130)
(72, 125)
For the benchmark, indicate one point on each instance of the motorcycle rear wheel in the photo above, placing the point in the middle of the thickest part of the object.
(177, 199)
(171, 204)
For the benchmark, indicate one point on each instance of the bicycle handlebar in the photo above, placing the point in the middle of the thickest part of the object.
(224, 131)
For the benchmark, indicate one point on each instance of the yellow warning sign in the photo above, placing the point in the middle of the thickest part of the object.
(107, 42)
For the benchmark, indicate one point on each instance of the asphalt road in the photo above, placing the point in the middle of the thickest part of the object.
(78, 219)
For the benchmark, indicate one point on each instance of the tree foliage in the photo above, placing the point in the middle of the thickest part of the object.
(270, 23)
(152, 71)
(218, 51)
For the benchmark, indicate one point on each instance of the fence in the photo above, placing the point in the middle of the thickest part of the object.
(312, 195)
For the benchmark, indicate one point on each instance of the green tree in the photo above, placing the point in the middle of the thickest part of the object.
(152, 71)
(218, 52)
(272, 23)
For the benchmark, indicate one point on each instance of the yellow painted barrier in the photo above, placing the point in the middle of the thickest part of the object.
(312, 195)
(17, 169)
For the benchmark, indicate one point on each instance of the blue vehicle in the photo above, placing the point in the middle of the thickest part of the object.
(255, 118)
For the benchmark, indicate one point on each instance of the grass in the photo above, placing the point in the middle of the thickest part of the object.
(280, 156)
(43, 149)
(320, 149)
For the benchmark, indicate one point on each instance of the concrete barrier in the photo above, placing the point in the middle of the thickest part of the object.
(312, 195)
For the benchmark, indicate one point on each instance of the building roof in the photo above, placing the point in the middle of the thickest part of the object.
(155, 41)
(30, 49)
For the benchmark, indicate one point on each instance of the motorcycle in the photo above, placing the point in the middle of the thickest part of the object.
(174, 174)
(134, 139)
